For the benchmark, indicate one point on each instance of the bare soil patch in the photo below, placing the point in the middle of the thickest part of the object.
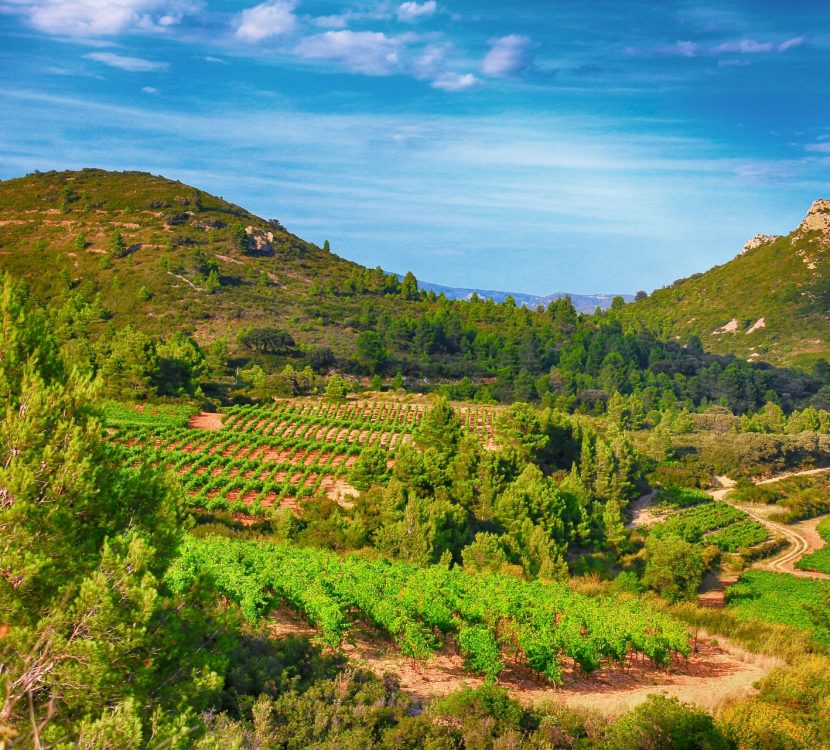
(206, 420)
(714, 673)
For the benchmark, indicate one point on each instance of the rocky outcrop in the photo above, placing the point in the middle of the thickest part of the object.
(758, 240)
(730, 327)
(757, 325)
(818, 218)
(259, 241)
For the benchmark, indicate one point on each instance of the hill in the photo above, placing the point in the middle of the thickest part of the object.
(57, 230)
(770, 303)
(123, 256)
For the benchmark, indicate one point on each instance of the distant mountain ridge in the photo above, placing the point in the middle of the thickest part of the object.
(584, 303)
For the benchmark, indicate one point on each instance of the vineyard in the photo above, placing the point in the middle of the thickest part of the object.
(820, 559)
(778, 597)
(274, 455)
(488, 617)
(717, 523)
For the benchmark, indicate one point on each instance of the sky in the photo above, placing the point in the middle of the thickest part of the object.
(526, 146)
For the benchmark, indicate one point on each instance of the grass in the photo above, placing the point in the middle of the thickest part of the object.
(819, 560)
(779, 598)
(758, 636)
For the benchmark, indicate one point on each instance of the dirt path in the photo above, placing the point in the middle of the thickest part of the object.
(641, 512)
(206, 421)
(716, 672)
(802, 537)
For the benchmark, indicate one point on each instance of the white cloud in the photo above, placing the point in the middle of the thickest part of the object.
(508, 56)
(455, 82)
(790, 43)
(369, 52)
(412, 11)
(745, 46)
(818, 148)
(89, 18)
(217, 60)
(122, 62)
(152, 90)
(273, 18)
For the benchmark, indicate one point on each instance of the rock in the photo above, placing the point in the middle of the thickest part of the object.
(260, 241)
(818, 218)
(758, 240)
(730, 327)
(760, 323)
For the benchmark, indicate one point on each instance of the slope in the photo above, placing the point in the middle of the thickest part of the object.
(58, 231)
(770, 303)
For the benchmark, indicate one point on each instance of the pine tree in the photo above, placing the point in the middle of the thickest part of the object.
(87, 624)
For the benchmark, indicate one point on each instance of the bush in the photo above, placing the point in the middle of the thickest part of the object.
(674, 568)
(664, 722)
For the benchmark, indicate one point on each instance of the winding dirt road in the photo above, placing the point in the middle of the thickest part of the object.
(802, 537)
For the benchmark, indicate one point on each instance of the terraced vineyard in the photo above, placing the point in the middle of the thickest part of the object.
(275, 455)
(728, 528)
(489, 616)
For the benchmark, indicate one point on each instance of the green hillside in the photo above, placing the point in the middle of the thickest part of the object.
(770, 303)
(57, 229)
(132, 264)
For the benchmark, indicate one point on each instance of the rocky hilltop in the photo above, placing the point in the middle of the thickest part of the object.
(770, 303)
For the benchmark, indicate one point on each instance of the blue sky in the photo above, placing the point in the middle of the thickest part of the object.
(534, 147)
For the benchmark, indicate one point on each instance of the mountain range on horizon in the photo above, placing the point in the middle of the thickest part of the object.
(584, 303)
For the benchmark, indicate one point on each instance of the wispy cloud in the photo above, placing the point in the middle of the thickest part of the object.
(152, 90)
(686, 48)
(413, 11)
(270, 19)
(123, 62)
(508, 56)
(790, 43)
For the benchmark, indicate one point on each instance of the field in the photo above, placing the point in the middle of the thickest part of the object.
(253, 459)
(717, 523)
(487, 616)
(778, 597)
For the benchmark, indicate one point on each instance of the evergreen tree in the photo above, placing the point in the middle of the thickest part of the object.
(440, 428)
(89, 628)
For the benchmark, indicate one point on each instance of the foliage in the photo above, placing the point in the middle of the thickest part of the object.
(664, 722)
(778, 597)
(412, 603)
(86, 542)
(792, 711)
(267, 340)
(674, 567)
